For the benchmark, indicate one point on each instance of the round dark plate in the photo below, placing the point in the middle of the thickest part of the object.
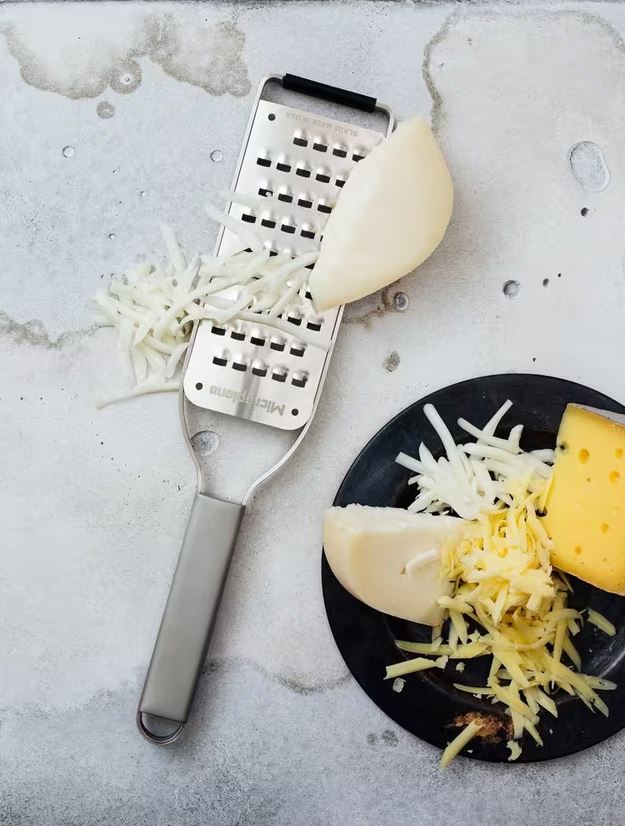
(429, 706)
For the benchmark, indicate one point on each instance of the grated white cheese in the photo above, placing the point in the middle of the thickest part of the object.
(140, 390)
(154, 306)
(421, 560)
(473, 478)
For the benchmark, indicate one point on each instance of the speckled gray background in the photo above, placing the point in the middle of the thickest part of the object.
(117, 116)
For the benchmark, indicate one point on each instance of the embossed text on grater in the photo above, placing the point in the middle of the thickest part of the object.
(297, 162)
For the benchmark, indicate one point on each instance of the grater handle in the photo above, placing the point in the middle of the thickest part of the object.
(189, 617)
(334, 94)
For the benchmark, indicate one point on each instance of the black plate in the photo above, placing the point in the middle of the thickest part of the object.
(429, 704)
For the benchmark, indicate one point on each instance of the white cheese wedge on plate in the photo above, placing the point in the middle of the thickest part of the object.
(390, 559)
(391, 215)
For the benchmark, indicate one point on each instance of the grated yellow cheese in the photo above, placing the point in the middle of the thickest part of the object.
(504, 584)
(601, 622)
(458, 652)
(411, 666)
(515, 750)
(458, 743)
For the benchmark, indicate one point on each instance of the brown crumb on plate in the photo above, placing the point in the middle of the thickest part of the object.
(493, 728)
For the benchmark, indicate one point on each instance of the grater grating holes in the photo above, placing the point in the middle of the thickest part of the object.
(294, 206)
(294, 318)
(239, 363)
(299, 139)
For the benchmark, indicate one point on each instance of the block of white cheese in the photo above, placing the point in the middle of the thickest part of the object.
(391, 215)
(390, 558)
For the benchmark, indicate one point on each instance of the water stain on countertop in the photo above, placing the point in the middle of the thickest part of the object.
(588, 166)
(35, 334)
(539, 19)
(376, 306)
(89, 54)
(297, 686)
(391, 362)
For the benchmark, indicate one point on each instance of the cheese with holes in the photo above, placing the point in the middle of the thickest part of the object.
(391, 215)
(390, 558)
(585, 506)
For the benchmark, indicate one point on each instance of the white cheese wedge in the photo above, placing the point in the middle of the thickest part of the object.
(391, 215)
(390, 559)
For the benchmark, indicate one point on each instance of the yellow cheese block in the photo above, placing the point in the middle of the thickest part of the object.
(390, 558)
(585, 507)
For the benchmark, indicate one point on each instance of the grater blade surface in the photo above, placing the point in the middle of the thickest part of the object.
(295, 162)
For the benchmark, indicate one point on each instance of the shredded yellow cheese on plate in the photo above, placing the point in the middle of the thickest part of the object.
(508, 602)
(458, 743)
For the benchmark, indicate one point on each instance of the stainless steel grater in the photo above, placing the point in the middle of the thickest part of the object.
(296, 160)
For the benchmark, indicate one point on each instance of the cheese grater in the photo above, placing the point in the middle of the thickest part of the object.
(295, 161)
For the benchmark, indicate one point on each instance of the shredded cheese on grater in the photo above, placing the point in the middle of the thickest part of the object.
(154, 306)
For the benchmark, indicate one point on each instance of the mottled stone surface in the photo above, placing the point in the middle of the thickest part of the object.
(117, 116)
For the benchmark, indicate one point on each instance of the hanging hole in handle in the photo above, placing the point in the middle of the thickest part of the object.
(164, 731)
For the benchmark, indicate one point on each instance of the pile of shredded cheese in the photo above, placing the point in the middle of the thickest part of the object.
(508, 603)
(153, 307)
(471, 479)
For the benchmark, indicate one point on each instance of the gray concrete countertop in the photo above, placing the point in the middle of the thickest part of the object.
(115, 117)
